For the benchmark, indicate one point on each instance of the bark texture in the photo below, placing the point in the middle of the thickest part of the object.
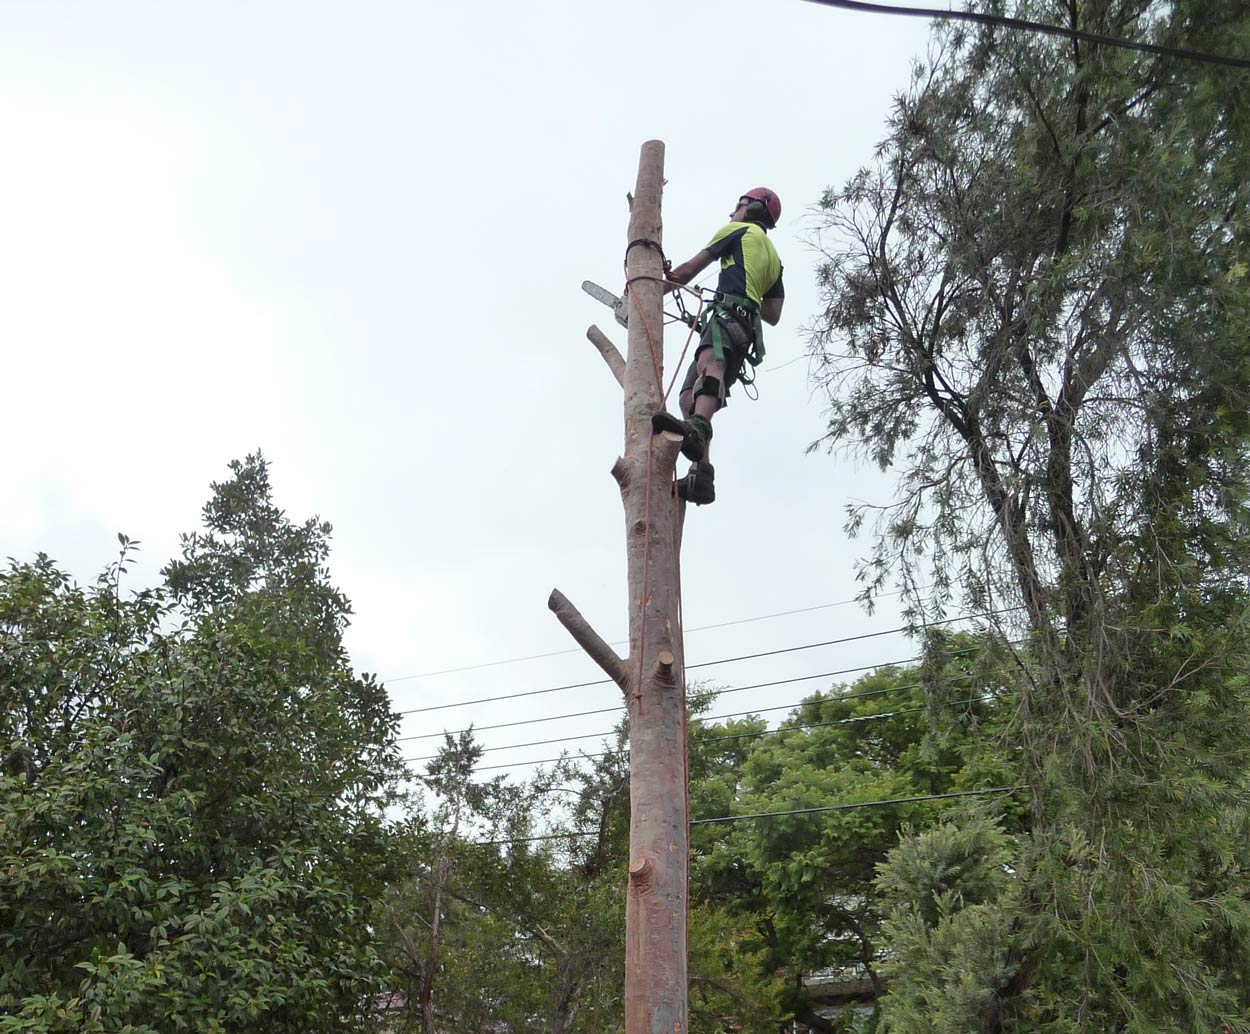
(655, 910)
(654, 674)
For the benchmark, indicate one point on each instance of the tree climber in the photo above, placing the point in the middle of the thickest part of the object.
(749, 290)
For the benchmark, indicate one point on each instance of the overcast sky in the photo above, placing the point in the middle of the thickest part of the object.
(353, 236)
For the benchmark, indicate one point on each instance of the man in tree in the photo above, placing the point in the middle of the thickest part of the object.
(749, 291)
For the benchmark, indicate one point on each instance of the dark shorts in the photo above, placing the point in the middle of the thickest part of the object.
(736, 342)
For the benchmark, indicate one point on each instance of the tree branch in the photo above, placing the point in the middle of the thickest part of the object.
(588, 639)
(409, 945)
(611, 355)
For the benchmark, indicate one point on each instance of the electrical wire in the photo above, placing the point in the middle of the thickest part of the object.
(705, 719)
(622, 642)
(509, 725)
(576, 833)
(692, 667)
(709, 739)
(1043, 27)
(621, 707)
(861, 804)
(760, 732)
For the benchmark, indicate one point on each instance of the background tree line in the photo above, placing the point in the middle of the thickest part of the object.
(203, 827)
(1036, 312)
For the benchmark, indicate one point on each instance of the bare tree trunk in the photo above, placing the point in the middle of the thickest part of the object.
(567, 997)
(653, 678)
(442, 869)
(431, 959)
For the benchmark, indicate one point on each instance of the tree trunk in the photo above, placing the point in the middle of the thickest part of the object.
(655, 910)
(653, 678)
(431, 959)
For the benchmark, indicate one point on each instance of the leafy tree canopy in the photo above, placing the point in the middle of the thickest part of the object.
(1037, 313)
(191, 827)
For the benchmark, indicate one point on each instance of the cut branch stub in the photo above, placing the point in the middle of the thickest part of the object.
(621, 472)
(588, 639)
(664, 666)
(611, 355)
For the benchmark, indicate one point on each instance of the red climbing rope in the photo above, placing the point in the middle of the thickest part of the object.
(646, 545)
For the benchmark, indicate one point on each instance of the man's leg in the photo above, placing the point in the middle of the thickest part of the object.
(706, 402)
(709, 397)
(696, 431)
(702, 395)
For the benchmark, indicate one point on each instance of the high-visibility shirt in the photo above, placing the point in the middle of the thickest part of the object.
(749, 264)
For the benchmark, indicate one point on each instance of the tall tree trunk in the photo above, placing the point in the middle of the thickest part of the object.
(653, 678)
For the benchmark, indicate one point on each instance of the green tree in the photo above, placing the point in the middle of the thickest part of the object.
(804, 882)
(503, 915)
(458, 948)
(531, 907)
(191, 830)
(1036, 313)
(951, 899)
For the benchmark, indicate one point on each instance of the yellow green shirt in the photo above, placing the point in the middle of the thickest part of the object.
(749, 264)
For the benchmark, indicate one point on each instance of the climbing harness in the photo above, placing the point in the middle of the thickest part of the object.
(742, 311)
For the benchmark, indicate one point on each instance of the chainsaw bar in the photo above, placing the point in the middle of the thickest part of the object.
(601, 294)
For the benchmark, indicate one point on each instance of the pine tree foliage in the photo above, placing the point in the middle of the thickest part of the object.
(950, 892)
(1037, 314)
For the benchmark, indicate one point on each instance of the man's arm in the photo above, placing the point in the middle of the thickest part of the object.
(689, 269)
(770, 310)
(774, 298)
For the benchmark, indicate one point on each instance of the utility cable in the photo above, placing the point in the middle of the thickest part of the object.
(509, 725)
(622, 642)
(761, 732)
(575, 833)
(707, 718)
(703, 721)
(621, 707)
(1043, 27)
(862, 804)
(736, 689)
(692, 667)
(708, 739)
(848, 696)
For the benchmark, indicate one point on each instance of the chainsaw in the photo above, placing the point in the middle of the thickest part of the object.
(620, 308)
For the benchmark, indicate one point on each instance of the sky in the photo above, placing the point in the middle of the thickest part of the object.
(353, 237)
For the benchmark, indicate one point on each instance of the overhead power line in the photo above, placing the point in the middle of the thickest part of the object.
(692, 667)
(510, 725)
(604, 682)
(577, 833)
(711, 739)
(706, 718)
(1042, 27)
(862, 804)
(732, 736)
(735, 689)
(621, 707)
(621, 642)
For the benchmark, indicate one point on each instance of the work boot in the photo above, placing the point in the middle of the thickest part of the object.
(699, 484)
(695, 431)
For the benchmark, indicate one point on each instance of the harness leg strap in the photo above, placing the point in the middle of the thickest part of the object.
(718, 339)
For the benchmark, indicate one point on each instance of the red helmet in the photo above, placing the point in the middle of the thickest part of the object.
(770, 202)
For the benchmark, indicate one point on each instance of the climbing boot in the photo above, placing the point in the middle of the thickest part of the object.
(699, 484)
(695, 431)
